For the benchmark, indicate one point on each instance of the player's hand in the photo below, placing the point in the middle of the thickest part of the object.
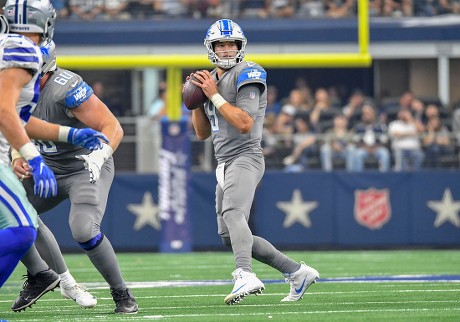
(95, 160)
(45, 183)
(88, 138)
(21, 169)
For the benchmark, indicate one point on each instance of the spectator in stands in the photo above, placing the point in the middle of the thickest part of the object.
(158, 107)
(436, 141)
(86, 9)
(311, 9)
(405, 142)
(338, 145)
(273, 104)
(304, 143)
(371, 138)
(141, 9)
(456, 124)
(282, 8)
(352, 111)
(390, 110)
(174, 8)
(116, 10)
(215, 8)
(323, 111)
(270, 142)
(339, 8)
(296, 105)
(111, 102)
(417, 108)
(61, 6)
(254, 9)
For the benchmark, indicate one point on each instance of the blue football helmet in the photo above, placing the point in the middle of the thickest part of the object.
(31, 16)
(222, 31)
(49, 57)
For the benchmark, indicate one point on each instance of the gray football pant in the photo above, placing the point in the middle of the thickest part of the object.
(233, 206)
(88, 202)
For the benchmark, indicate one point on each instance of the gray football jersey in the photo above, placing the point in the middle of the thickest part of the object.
(228, 141)
(63, 92)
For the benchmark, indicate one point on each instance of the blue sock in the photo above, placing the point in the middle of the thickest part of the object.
(14, 243)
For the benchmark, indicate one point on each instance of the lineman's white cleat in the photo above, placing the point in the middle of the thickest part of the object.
(246, 283)
(300, 281)
(79, 294)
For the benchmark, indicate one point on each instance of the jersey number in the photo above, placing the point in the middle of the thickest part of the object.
(63, 78)
(45, 146)
(213, 117)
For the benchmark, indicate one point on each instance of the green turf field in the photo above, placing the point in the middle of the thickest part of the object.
(192, 287)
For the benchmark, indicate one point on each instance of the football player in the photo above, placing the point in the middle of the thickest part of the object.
(27, 23)
(85, 179)
(233, 116)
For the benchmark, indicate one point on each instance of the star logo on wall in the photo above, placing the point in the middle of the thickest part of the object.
(446, 210)
(297, 210)
(146, 213)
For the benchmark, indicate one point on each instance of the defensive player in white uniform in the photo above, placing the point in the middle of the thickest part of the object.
(30, 22)
(84, 179)
(234, 117)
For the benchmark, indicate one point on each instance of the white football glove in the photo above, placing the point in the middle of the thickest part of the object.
(95, 160)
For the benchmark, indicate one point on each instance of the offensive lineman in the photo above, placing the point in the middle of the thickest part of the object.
(83, 178)
(31, 22)
(234, 116)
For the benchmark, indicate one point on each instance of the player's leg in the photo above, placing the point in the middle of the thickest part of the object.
(40, 278)
(88, 202)
(49, 250)
(18, 221)
(240, 182)
(14, 242)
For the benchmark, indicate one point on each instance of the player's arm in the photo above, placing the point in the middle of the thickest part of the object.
(201, 123)
(238, 118)
(12, 80)
(95, 114)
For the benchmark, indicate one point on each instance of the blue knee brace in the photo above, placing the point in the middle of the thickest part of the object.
(92, 243)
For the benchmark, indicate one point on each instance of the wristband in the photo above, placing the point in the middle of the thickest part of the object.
(64, 133)
(29, 151)
(218, 100)
(106, 150)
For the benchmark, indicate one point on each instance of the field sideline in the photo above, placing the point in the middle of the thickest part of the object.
(398, 285)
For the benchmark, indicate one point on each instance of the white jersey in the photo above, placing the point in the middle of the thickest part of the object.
(17, 51)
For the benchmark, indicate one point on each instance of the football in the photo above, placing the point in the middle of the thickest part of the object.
(192, 95)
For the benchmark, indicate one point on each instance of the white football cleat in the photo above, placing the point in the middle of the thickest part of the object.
(79, 294)
(300, 280)
(246, 283)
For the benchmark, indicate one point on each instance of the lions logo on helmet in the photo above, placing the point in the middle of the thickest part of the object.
(49, 57)
(221, 31)
(31, 16)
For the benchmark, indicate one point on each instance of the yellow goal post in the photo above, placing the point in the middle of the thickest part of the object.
(174, 64)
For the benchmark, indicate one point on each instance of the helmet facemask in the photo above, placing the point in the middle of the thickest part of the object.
(225, 30)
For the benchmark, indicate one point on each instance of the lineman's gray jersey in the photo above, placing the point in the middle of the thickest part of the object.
(63, 92)
(17, 51)
(228, 141)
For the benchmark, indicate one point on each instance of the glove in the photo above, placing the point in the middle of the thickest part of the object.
(88, 138)
(45, 183)
(95, 160)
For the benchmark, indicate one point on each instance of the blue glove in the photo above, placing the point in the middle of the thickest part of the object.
(45, 182)
(88, 138)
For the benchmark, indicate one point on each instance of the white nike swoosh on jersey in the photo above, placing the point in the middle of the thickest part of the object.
(74, 84)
